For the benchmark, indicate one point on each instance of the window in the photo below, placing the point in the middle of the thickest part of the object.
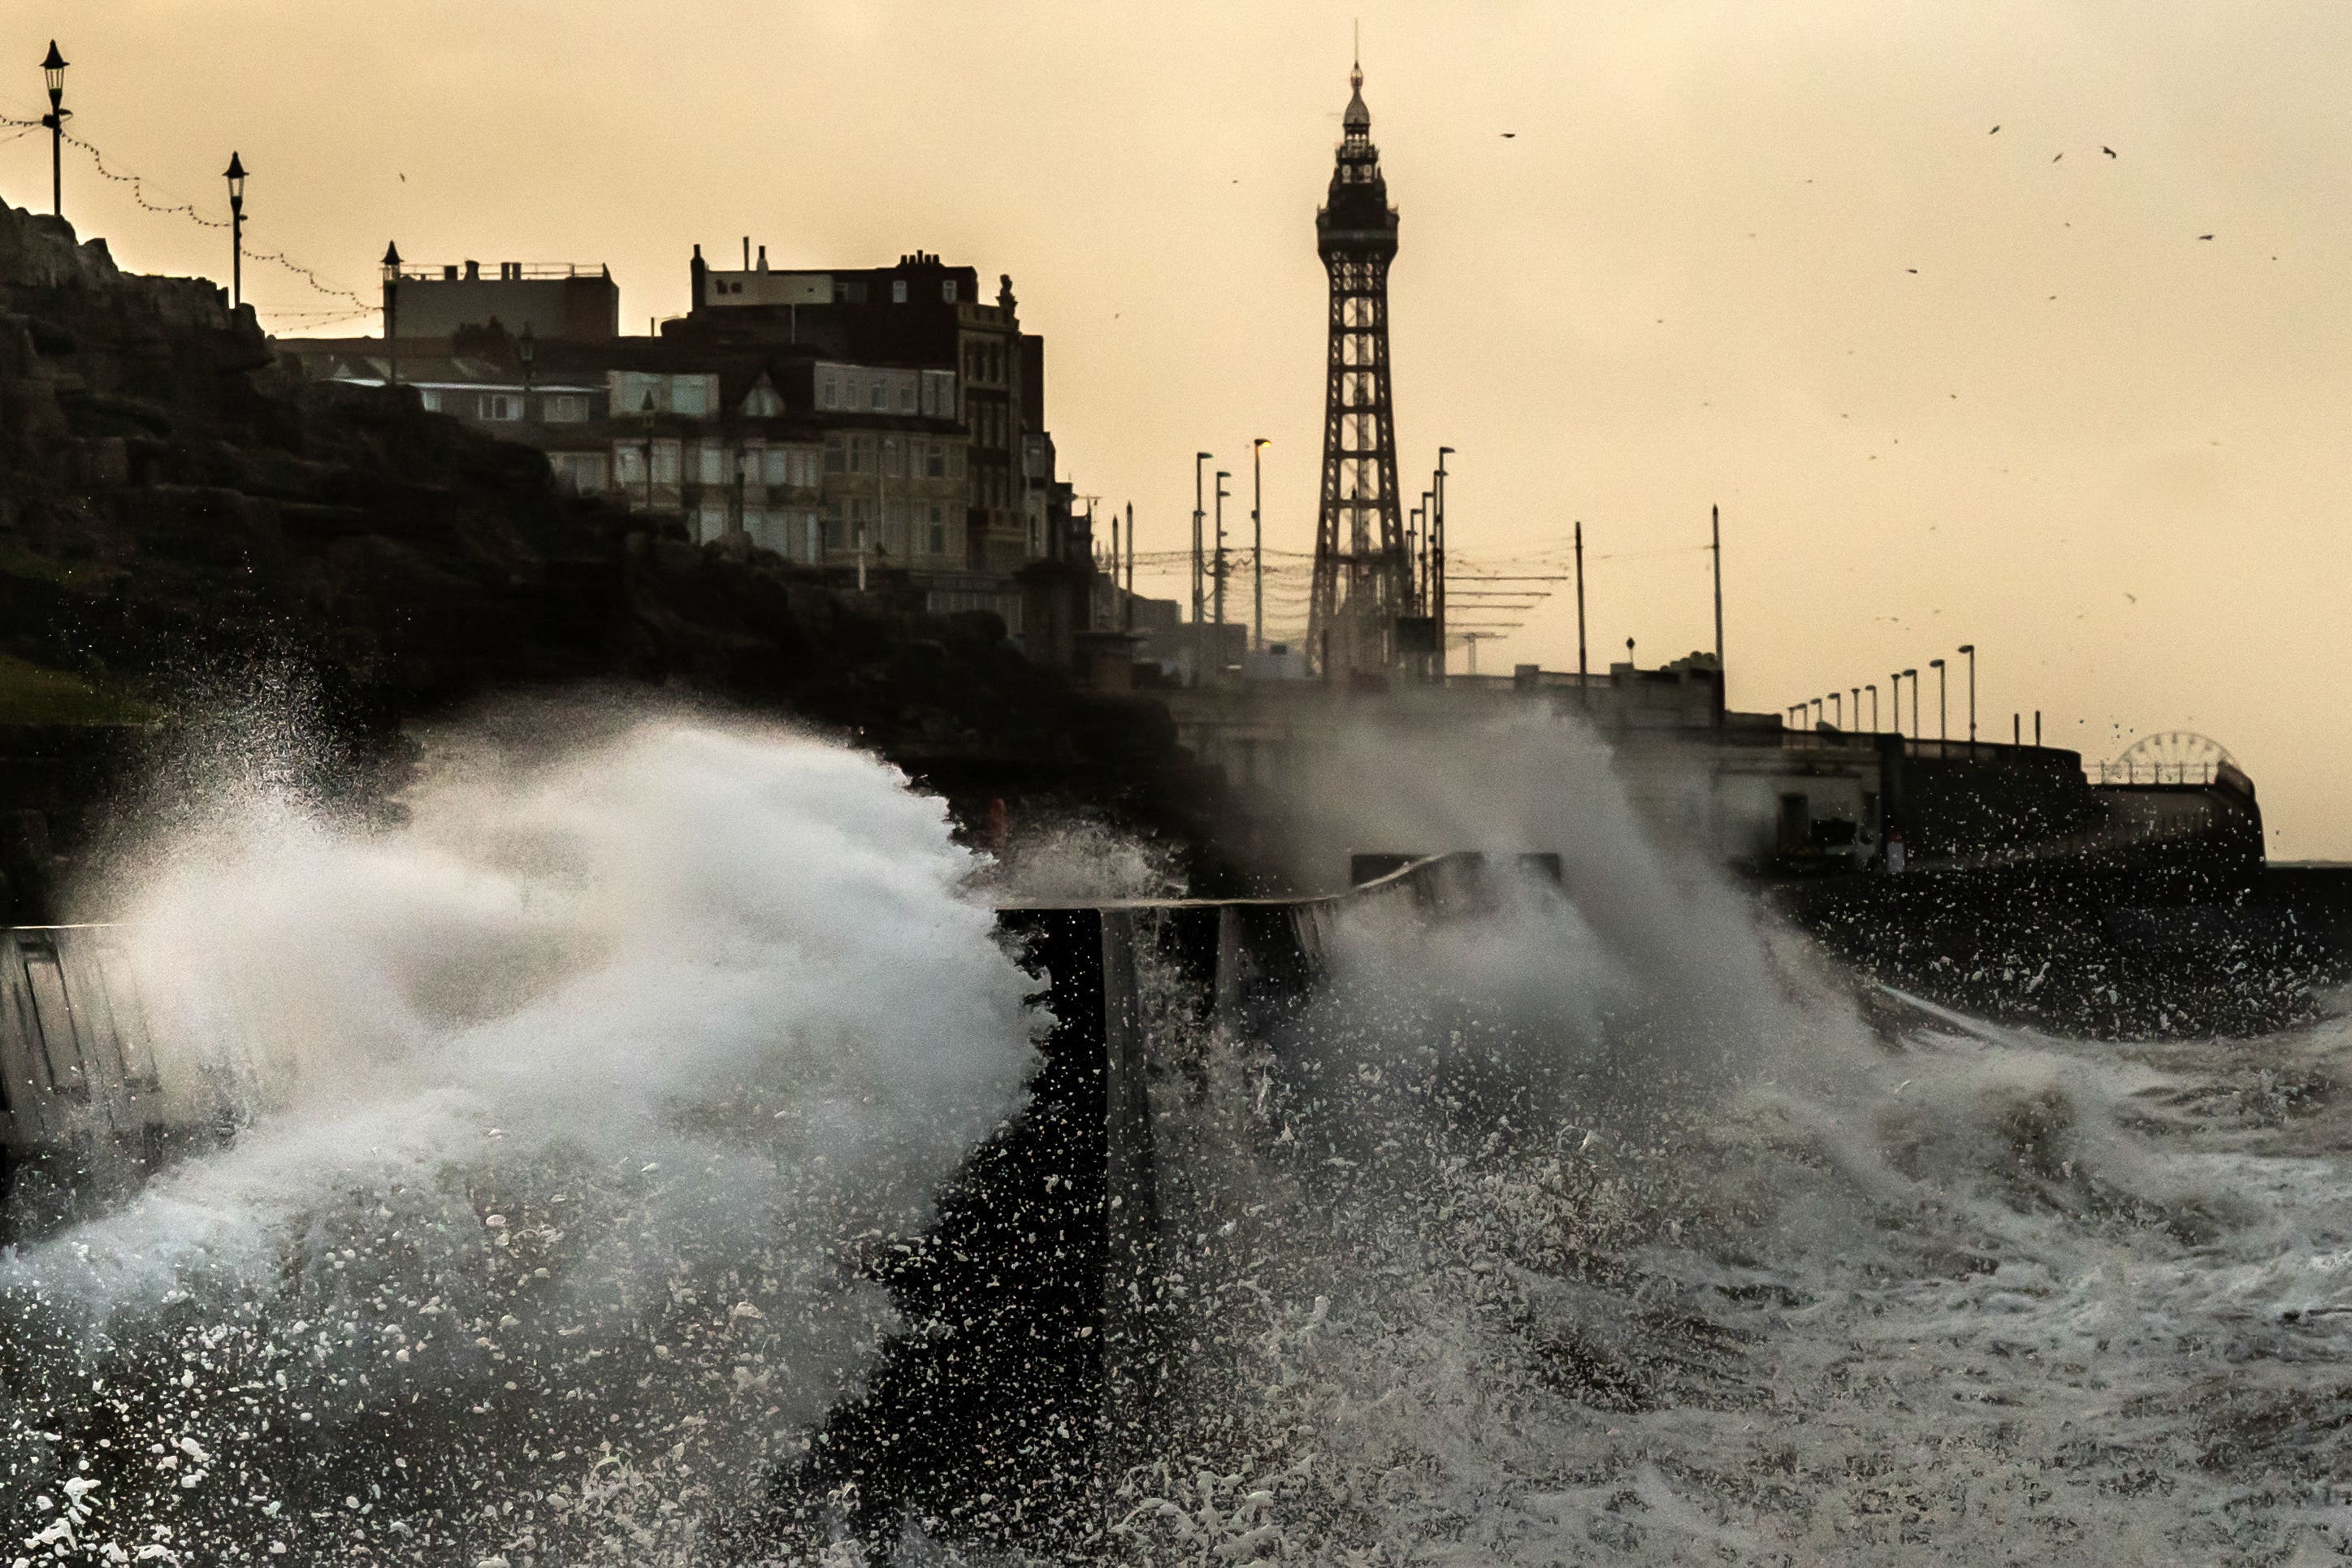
(761, 403)
(712, 468)
(834, 463)
(948, 291)
(907, 395)
(828, 391)
(713, 522)
(666, 464)
(881, 395)
(687, 396)
(939, 530)
(832, 526)
(637, 392)
(631, 463)
(891, 465)
(897, 290)
(935, 460)
(775, 467)
(563, 407)
(580, 472)
(429, 398)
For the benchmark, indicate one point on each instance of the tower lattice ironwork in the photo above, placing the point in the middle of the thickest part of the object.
(1363, 571)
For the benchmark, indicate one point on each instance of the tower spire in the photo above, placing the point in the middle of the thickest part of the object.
(1363, 578)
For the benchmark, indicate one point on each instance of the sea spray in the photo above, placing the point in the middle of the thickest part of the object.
(573, 1099)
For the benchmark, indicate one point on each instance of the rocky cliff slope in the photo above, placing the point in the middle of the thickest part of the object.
(174, 515)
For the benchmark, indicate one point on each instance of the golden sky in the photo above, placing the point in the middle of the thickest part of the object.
(2106, 451)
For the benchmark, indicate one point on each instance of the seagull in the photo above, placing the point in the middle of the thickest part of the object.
(2204, 237)
(1910, 269)
(2060, 155)
(1508, 134)
(2132, 597)
(2108, 151)
(1994, 132)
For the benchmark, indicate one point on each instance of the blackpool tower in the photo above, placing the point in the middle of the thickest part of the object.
(1363, 571)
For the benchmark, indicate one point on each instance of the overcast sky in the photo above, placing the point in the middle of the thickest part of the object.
(2105, 450)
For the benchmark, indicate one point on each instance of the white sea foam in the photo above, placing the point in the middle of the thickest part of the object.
(603, 1060)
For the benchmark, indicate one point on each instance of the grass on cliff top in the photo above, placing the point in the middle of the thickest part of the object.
(30, 694)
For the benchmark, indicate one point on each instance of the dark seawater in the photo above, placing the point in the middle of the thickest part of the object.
(586, 1110)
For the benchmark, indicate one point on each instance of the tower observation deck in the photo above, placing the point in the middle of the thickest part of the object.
(1363, 571)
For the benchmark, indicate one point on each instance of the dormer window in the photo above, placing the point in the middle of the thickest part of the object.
(897, 290)
(948, 291)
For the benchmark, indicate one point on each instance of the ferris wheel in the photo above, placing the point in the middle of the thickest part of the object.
(2172, 756)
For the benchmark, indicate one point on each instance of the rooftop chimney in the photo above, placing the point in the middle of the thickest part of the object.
(763, 259)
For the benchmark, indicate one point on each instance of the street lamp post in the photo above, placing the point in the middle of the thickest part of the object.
(53, 71)
(392, 313)
(235, 177)
(1257, 543)
(1873, 689)
(1943, 708)
(1837, 709)
(1970, 649)
(1913, 676)
(1437, 562)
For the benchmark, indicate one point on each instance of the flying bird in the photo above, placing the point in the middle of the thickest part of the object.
(2204, 237)
(1910, 269)
(1994, 132)
(2060, 155)
(1508, 134)
(2108, 151)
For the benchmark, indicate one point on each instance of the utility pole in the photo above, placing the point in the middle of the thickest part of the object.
(1129, 624)
(1722, 690)
(1257, 543)
(1583, 696)
(1970, 649)
(1437, 564)
(53, 72)
(1943, 708)
(1221, 572)
(235, 177)
(1199, 513)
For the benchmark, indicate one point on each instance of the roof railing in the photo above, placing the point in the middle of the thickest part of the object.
(500, 271)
